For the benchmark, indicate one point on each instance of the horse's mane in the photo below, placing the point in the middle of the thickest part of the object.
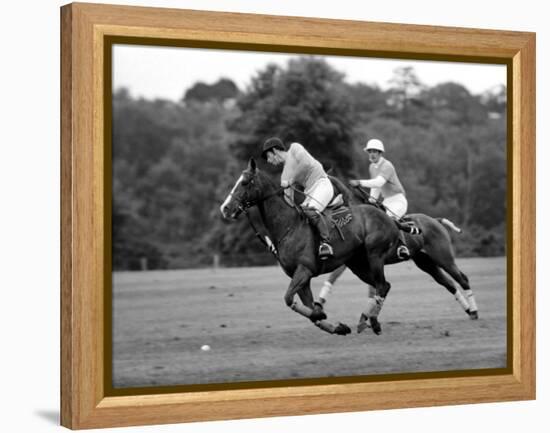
(265, 176)
(350, 196)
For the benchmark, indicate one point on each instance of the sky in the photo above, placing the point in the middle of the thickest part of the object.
(166, 72)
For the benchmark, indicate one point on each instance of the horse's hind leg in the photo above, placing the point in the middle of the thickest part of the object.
(462, 279)
(372, 273)
(441, 252)
(424, 262)
(329, 283)
(382, 288)
(318, 311)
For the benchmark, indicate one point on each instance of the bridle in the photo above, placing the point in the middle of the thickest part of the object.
(244, 205)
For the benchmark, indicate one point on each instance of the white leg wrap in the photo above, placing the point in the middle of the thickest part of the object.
(462, 300)
(325, 290)
(471, 300)
(374, 305)
(372, 291)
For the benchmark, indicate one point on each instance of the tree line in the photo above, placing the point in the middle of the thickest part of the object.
(174, 162)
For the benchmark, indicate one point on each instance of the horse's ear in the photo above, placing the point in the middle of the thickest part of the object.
(252, 164)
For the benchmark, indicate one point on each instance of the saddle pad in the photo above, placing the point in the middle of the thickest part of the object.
(341, 216)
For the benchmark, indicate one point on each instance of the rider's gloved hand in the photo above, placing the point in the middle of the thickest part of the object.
(354, 182)
(285, 184)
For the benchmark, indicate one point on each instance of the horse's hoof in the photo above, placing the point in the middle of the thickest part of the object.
(361, 326)
(375, 325)
(473, 315)
(317, 313)
(363, 323)
(342, 329)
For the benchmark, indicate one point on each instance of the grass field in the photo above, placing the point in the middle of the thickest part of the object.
(162, 318)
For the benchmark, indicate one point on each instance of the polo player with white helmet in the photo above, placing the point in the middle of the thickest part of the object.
(384, 181)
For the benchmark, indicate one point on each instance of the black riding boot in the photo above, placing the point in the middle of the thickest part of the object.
(403, 252)
(318, 221)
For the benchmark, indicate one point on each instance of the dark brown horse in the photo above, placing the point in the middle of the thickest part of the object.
(369, 241)
(431, 251)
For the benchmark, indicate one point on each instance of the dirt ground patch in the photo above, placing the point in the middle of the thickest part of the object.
(162, 318)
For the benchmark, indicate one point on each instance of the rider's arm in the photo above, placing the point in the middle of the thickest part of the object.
(290, 167)
(289, 191)
(287, 179)
(377, 182)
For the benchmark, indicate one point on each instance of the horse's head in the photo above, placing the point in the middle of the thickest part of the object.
(247, 192)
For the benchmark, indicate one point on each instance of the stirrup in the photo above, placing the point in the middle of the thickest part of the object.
(414, 230)
(325, 251)
(403, 252)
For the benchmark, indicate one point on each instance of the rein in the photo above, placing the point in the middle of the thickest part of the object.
(263, 239)
(369, 198)
(266, 241)
(244, 206)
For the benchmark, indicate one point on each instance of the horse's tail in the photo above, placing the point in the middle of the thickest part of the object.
(449, 224)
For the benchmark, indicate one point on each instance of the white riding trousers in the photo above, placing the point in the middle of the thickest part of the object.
(319, 195)
(396, 205)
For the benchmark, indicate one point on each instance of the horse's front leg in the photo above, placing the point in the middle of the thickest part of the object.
(301, 284)
(306, 296)
(301, 278)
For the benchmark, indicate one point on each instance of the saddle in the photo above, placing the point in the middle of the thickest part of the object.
(405, 224)
(338, 214)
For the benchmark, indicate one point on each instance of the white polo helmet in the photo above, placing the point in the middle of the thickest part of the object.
(375, 144)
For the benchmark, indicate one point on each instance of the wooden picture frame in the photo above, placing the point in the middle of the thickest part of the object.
(85, 214)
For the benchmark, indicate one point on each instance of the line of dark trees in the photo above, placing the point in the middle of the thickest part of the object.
(174, 162)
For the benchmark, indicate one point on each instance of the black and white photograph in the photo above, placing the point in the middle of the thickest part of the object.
(286, 217)
(137, 292)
